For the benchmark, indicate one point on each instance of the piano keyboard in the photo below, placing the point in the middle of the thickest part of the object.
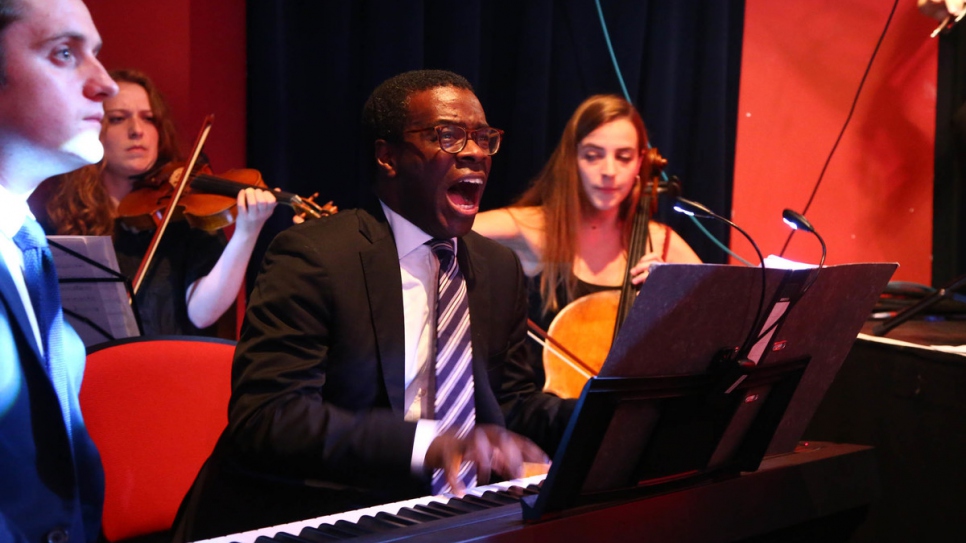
(381, 518)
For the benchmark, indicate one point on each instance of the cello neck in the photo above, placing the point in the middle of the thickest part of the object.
(641, 230)
(640, 233)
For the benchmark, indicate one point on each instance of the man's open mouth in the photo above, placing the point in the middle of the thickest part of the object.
(466, 193)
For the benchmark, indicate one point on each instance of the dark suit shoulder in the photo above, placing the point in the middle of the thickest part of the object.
(351, 227)
(493, 251)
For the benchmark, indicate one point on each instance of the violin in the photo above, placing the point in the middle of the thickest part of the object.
(178, 199)
(580, 336)
(209, 200)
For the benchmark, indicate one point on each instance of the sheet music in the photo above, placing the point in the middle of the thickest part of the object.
(102, 298)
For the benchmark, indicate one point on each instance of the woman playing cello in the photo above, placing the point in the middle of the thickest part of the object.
(571, 228)
(195, 276)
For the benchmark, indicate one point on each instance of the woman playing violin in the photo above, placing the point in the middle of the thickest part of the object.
(571, 228)
(195, 276)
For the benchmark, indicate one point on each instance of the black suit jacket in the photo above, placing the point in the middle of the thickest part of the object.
(316, 416)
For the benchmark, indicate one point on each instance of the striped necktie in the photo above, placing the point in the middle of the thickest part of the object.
(454, 404)
(41, 279)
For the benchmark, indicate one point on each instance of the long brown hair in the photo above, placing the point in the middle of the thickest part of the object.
(79, 203)
(558, 192)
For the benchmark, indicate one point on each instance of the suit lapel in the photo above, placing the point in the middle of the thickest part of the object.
(384, 293)
(10, 295)
(475, 273)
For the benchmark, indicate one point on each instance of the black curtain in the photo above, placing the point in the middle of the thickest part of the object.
(311, 65)
(949, 196)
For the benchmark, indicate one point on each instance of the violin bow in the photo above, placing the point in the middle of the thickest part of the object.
(169, 211)
(544, 340)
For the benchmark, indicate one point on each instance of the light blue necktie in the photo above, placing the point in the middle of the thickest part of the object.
(454, 405)
(41, 279)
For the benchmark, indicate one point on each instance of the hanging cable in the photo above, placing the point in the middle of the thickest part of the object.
(627, 96)
(613, 57)
(848, 119)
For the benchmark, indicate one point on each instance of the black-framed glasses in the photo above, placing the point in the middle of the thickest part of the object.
(452, 137)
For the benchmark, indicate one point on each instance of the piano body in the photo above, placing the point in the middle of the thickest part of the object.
(821, 490)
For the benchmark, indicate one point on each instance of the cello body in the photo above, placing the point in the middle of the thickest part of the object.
(584, 327)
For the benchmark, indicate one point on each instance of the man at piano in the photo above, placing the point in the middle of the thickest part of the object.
(347, 389)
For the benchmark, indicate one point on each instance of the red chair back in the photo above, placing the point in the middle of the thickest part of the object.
(154, 408)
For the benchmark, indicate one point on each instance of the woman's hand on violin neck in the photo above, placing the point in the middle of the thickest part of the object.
(641, 270)
(255, 206)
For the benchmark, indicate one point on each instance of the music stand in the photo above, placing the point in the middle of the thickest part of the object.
(97, 299)
(666, 410)
(919, 307)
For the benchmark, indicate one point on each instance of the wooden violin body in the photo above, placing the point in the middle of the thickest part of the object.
(208, 202)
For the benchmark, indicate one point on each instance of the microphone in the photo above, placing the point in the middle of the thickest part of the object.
(694, 209)
(700, 211)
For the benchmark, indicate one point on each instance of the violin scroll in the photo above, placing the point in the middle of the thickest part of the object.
(306, 208)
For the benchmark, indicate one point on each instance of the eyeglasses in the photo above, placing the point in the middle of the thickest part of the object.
(452, 138)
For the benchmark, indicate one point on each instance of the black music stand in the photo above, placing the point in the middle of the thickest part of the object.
(942, 293)
(669, 411)
(80, 276)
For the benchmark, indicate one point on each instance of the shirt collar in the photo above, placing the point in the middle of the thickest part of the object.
(408, 236)
(13, 212)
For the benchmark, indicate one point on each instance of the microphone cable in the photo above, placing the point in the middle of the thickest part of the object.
(627, 96)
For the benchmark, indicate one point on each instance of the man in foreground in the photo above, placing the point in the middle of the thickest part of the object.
(51, 92)
(373, 365)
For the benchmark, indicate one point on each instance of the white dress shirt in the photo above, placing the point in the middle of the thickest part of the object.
(419, 269)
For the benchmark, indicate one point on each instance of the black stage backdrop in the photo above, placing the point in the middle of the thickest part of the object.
(949, 189)
(311, 65)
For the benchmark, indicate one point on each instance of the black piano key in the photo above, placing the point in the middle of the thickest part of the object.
(464, 506)
(283, 537)
(338, 533)
(318, 536)
(514, 492)
(374, 525)
(395, 519)
(419, 516)
(351, 527)
(486, 503)
(519, 491)
(500, 496)
(439, 508)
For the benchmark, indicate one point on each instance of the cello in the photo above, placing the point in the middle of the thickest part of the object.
(578, 339)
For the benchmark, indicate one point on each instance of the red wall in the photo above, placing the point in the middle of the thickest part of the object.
(801, 65)
(194, 50)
